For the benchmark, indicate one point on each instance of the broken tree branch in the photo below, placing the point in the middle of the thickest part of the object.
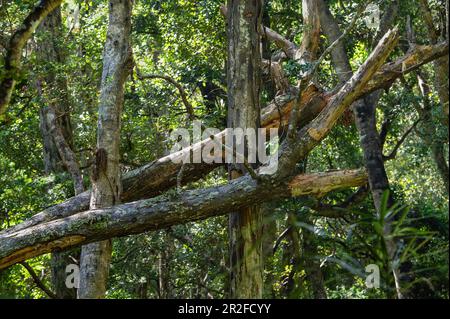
(412, 60)
(316, 130)
(156, 177)
(164, 211)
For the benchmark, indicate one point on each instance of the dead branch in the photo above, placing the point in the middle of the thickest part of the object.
(162, 212)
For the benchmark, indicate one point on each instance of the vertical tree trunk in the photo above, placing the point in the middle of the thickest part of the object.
(428, 131)
(292, 257)
(314, 274)
(61, 259)
(52, 87)
(365, 118)
(268, 239)
(163, 272)
(106, 188)
(164, 258)
(441, 64)
(244, 64)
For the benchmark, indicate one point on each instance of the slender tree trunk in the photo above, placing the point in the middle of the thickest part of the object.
(56, 130)
(441, 64)
(163, 280)
(269, 237)
(427, 131)
(164, 259)
(365, 118)
(53, 87)
(106, 188)
(292, 257)
(314, 274)
(244, 65)
(52, 161)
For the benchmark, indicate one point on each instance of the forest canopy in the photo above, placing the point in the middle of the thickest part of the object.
(99, 200)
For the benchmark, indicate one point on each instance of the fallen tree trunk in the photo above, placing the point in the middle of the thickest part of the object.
(164, 211)
(160, 212)
(156, 177)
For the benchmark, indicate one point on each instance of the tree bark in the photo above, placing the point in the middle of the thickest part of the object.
(314, 274)
(292, 257)
(106, 188)
(441, 64)
(164, 267)
(311, 31)
(244, 85)
(159, 176)
(365, 119)
(164, 211)
(56, 130)
(268, 240)
(65, 152)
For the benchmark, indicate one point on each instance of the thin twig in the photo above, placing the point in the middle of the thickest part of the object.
(394, 151)
(38, 281)
(280, 238)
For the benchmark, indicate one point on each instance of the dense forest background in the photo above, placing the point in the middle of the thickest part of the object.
(312, 246)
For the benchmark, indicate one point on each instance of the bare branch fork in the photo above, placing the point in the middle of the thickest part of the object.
(400, 142)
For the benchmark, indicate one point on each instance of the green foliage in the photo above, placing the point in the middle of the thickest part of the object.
(186, 40)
